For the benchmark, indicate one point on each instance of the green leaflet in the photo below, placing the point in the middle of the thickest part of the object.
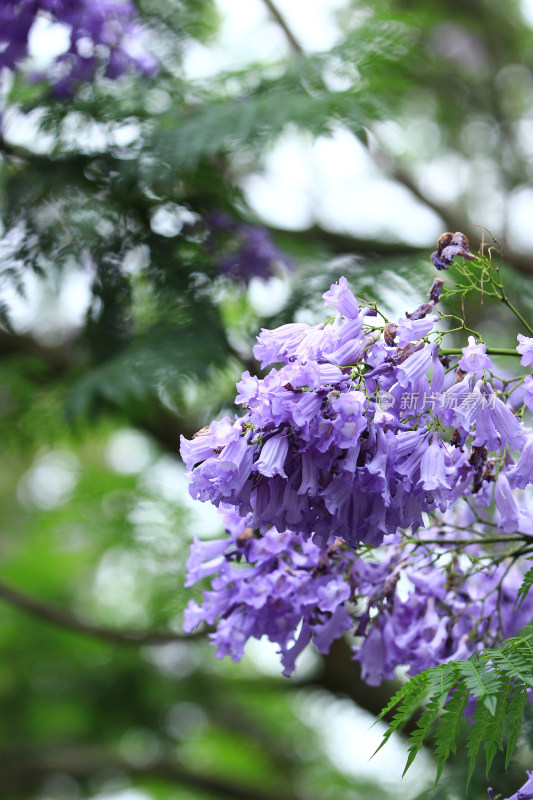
(409, 698)
(424, 724)
(452, 717)
(515, 710)
(527, 583)
(476, 736)
(496, 724)
(496, 679)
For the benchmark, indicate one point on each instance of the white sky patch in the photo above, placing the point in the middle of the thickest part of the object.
(268, 296)
(519, 215)
(25, 131)
(169, 219)
(47, 314)
(334, 183)
(168, 479)
(47, 40)
(128, 452)
(353, 196)
(264, 656)
(126, 794)
(79, 132)
(526, 7)
(316, 27)
(247, 35)
(350, 737)
(120, 586)
(50, 480)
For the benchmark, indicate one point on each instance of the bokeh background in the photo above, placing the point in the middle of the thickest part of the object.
(149, 227)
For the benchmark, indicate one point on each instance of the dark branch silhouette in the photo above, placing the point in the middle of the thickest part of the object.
(295, 45)
(23, 773)
(60, 617)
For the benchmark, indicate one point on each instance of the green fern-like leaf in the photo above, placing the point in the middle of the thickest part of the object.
(496, 723)
(515, 710)
(480, 681)
(497, 679)
(407, 700)
(476, 736)
(418, 681)
(425, 722)
(527, 583)
(446, 737)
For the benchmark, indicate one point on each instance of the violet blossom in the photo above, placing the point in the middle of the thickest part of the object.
(296, 593)
(105, 36)
(525, 348)
(315, 466)
(475, 358)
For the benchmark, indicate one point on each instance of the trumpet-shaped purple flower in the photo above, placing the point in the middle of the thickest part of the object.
(342, 299)
(432, 467)
(415, 366)
(525, 348)
(521, 475)
(273, 455)
(411, 330)
(475, 358)
(508, 513)
(528, 392)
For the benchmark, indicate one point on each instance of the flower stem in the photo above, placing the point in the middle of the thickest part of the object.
(498, 285)
(517, 314)
(491, 351)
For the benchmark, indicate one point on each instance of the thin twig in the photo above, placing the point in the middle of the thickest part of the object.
(55, 615)
(295, 45)
(458, 543)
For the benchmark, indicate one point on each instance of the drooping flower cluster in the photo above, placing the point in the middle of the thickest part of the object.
(356, 437)
(315, 453)
(105, 35)
(418, 605)
(277, 585)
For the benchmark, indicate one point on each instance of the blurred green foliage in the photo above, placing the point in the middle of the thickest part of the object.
(95, 523)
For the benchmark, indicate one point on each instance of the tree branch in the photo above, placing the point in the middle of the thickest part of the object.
(60, 617)
(295, 45)
(23, 773)
(451, 219)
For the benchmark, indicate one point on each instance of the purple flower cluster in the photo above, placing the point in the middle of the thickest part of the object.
(428, 604)
(277, 585)
(329, 455)
(418, 605)
(242, 250)
(105, 35)
(315, 453)
(318, 451)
